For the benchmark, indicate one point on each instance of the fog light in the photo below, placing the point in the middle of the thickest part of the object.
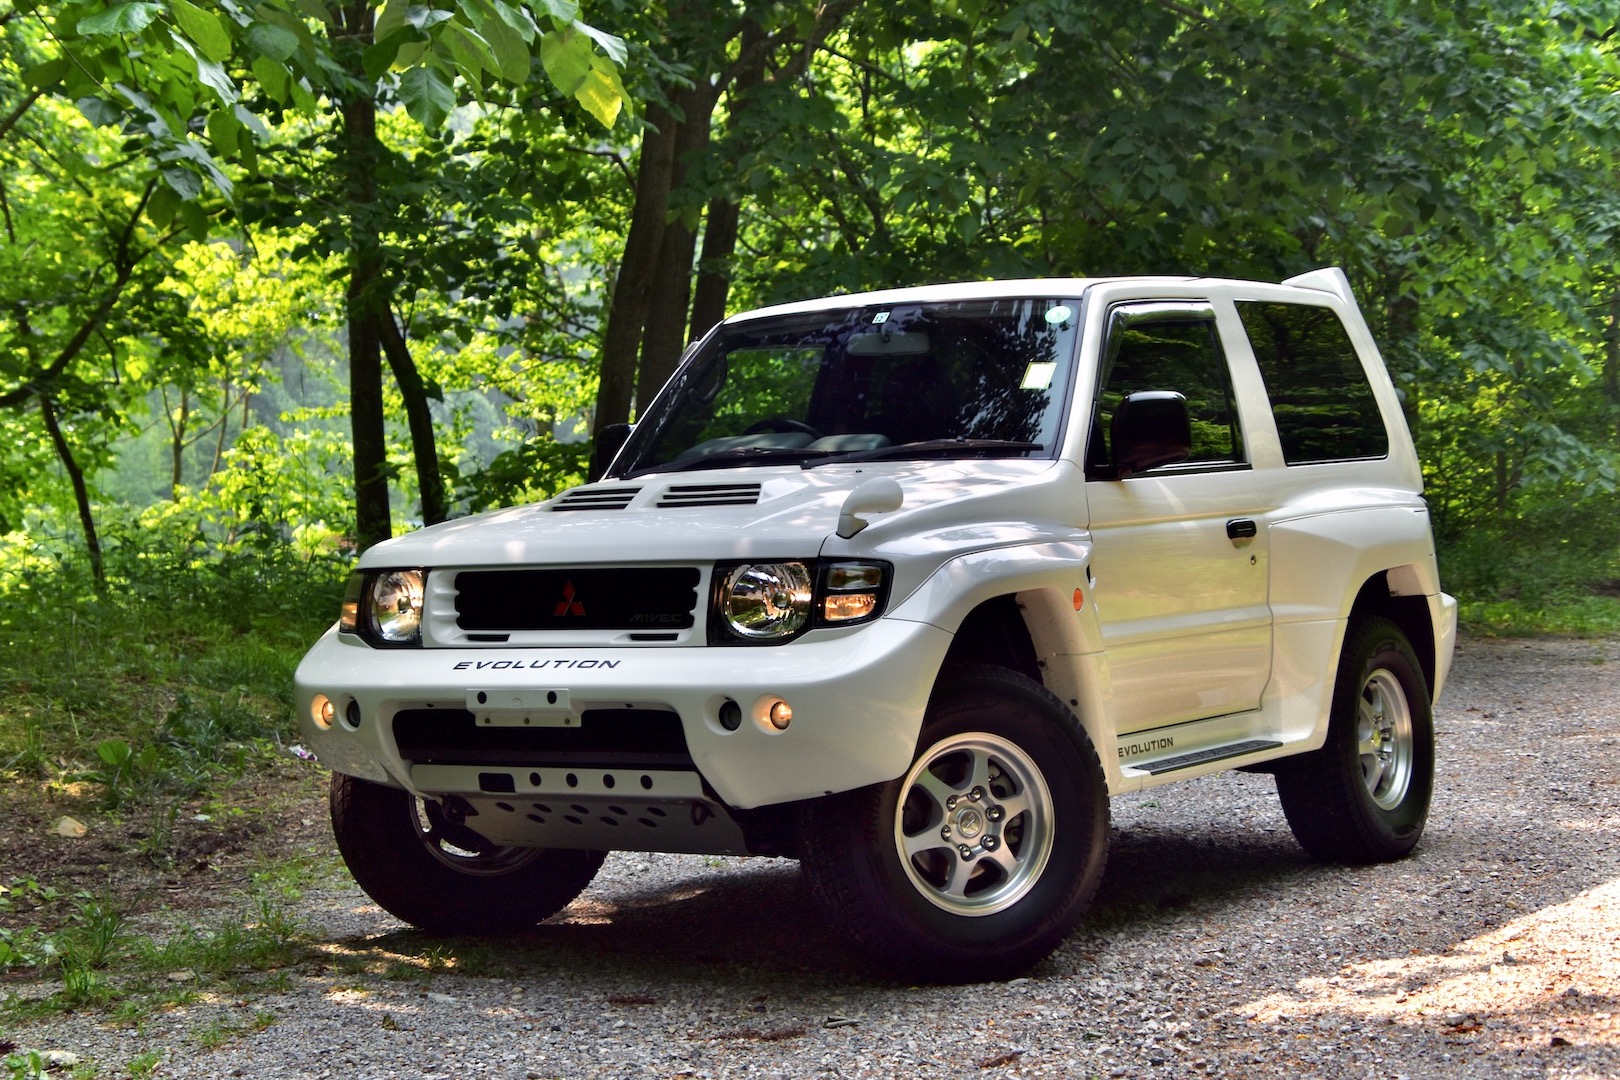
(730, 715)
(352, 715)
(322, 711)
(781, 715)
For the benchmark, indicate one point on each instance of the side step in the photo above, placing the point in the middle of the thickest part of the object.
(1204, 757)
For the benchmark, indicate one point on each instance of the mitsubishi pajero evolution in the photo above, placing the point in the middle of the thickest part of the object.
(905, 585)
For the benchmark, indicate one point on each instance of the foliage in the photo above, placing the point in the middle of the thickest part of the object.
(197, 233)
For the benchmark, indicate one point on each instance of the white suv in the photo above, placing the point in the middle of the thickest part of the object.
(905, 585)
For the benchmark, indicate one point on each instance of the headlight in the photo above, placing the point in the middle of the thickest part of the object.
(394, 607)
(771, 603)
(766, 601)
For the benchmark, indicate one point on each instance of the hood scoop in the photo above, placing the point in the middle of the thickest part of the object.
(587, 498)
(687, 495)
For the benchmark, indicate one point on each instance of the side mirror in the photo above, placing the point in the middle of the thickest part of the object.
(1150, 428)
(610, 439)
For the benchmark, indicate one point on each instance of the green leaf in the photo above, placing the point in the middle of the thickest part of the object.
(46, 75)
(273, 77)
(519, 19)
(411, 54)
(566, 56)
(129, 18)
(511, 51)
(276, 42)
(251, 122)
(195, 220)
(427, 96)
(211, 74)
(380, 57)
(471, 52)
(425, 18)
(601, 95)
(203, 28)
(613, 46)
(114, 752)
(563, 12)
(224, 131)
(99, 112)
(390, 21)
(303, 97)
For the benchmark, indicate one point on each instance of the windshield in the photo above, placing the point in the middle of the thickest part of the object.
(966, 378)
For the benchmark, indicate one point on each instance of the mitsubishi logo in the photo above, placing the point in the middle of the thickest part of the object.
(568, 605)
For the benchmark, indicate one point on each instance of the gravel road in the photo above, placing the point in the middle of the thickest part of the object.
(1215, 948)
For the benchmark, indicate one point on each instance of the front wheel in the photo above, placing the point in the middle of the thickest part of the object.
(978, 861)
(436, 874)
(1364, 796)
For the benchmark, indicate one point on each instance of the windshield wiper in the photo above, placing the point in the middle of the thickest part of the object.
(929, 448)
(736, 455)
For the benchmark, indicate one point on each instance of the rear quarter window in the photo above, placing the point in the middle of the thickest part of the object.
(1320, 397)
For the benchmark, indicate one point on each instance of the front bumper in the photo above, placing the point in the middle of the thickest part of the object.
(857, 700)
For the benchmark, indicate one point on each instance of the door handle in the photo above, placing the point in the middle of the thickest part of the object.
(1241, 529)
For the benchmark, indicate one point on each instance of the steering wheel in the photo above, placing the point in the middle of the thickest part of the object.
(781, 423)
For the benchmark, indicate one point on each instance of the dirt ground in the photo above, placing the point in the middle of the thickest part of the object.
(1214, 948)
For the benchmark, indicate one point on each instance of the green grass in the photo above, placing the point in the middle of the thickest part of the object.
(1556, 570)
(168, 694)
(163, 687)
(1592, 616)
(96, 962)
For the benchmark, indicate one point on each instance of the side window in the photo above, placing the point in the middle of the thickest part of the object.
(1156, 347)
(1323, 404)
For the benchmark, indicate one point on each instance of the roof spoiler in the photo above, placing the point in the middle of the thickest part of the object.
(1329, 279)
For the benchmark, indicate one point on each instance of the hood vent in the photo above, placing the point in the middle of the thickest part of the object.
(596, 499)
(680, 495)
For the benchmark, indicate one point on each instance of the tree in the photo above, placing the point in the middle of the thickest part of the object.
(162, 72)
(722, 54)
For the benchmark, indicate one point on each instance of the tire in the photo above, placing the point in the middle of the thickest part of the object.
(442, 877)
(1364, 796)
(1008, 771)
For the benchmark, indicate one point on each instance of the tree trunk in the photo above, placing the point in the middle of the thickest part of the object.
(359, 153)
(1611, 357)
(177, 447)
(423, 442)
(724, 213)
(627, 311)
(81, 494)
(671, 293)
(372, 520)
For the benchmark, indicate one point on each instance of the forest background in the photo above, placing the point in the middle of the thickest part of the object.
(279, 278)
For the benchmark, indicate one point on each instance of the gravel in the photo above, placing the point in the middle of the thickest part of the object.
(1215, 948)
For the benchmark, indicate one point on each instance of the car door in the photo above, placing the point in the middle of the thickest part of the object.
(1179, 557)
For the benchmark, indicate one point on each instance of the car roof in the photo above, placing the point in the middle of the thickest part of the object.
(1319, 281)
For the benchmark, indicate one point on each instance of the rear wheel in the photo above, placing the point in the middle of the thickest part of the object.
(439, 875)
(1364, 796)
(979, 860)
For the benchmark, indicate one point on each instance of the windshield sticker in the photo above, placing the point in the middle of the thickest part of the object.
(1039, 376)
(1058, 315)
(880, 317)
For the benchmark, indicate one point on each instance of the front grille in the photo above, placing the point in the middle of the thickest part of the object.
(683, 495)
(632, 598)
(587, 498)
(604, 739)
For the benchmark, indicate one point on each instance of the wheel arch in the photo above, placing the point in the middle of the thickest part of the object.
(1397, 594)
(1032, 604)
(995, 633)
(1039, 633)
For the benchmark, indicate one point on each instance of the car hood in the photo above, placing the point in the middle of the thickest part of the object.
(769, 512)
